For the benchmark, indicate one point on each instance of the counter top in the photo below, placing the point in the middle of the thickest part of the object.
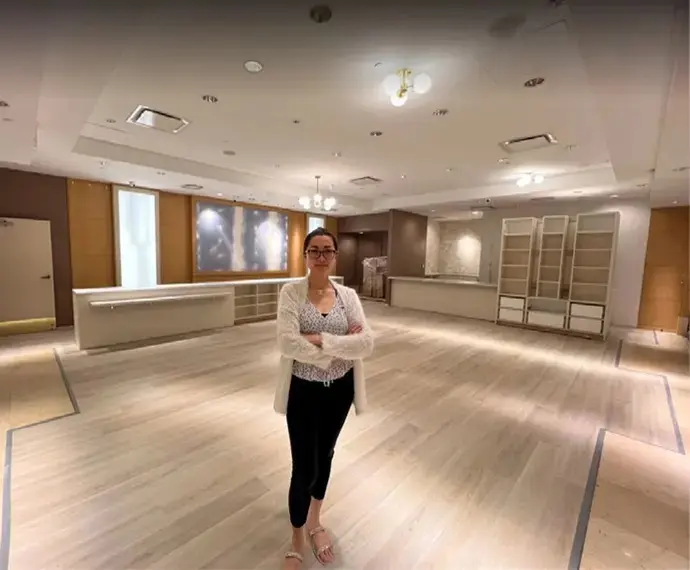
(445, 281)
(182, 287)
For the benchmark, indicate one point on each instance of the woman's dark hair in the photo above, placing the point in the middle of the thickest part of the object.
(319, 232)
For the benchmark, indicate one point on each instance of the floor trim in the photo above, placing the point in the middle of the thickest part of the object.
(582, 525)
(6, 515)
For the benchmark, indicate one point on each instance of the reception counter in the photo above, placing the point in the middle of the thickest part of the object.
(460, 298)
(116, 315)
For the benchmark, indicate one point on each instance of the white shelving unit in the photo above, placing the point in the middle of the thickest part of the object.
(549, 308)
(256, 302)
(568, 287)
(516, 268)
(596, 238)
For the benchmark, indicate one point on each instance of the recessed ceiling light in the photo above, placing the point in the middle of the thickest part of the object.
(675, 202)
(4, 104)
(440, 112)
(229, 153)
(503, 161)
(570, 147)
(378, 64)
(296, 121)
(613, 196)
(449, 170)
(160, 173)
(210, 98)
(375, 133)
(432, 211)
(577, 191)
(253, 66)
(219, 194)
(192, 186)
(642, 185)
(111, 121)
(403, 176)
(102, 163)
(534, 82)
(276, 165)
(337, 154)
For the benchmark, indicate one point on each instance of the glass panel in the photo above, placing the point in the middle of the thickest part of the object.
(138, 238)
(314, 222)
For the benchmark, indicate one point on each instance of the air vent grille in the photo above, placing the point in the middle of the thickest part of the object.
(158, 120)
(533, 142)
(366, 181)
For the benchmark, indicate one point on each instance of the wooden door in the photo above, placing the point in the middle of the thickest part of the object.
(665, 283)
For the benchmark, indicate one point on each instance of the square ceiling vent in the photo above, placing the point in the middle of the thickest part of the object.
(366, 181)
(523, 144)
(152, 119)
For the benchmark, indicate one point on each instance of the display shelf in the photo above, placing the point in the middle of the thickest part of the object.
(592, 269)
(551, 256)
(516, 268)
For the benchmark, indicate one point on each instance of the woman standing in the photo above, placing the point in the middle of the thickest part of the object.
(322, 335)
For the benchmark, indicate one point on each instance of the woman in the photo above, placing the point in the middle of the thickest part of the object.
(322, 335)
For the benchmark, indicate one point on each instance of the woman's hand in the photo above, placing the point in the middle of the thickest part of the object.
(355, 329)
(315, 339)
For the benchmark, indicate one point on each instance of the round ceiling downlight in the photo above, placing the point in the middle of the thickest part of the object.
(253, 66)
(375, 133)
(192, 186)
(229, 153)
(210, 98)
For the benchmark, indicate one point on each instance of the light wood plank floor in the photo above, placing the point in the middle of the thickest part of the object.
(475, 454)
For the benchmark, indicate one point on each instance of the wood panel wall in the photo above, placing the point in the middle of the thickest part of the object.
(175, 237)
(297, 226)
(664, 295)
(92, 242)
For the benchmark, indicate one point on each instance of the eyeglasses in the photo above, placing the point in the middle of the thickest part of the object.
(328, 254)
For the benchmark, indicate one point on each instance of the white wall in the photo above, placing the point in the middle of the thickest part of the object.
(630, 255)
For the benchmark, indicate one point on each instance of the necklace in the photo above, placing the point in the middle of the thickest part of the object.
(320, 292)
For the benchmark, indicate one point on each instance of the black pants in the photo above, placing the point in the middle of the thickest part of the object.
(315, 415)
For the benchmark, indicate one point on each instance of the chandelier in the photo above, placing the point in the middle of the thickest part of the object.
(399, 86)
(317, 201)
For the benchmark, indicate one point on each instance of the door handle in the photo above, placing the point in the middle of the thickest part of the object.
(45, 276)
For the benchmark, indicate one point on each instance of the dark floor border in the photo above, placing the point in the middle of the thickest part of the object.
(582, 525)
(6, 515)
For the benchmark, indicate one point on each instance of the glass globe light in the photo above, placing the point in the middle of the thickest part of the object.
(328, 203)
(538, 178)
(398, 100)
(391, 84)
(305, 202)
(421, 83)
(317, 200)
(523, 181)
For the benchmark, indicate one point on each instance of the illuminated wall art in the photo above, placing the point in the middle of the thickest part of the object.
(237, 239)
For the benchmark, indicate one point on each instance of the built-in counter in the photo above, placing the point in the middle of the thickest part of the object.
(460, 298)
(117, 315)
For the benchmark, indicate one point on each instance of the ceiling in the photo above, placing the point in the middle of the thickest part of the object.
(617, 101)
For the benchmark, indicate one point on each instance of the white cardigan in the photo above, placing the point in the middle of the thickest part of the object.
(294, 347)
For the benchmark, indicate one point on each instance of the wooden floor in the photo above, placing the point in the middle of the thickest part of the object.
(477, 453)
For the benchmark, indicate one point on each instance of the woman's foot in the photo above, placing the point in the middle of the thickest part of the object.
(321, 544)
(295, 556)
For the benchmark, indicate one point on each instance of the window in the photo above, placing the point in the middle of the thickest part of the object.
(136, 237)
(314, 222)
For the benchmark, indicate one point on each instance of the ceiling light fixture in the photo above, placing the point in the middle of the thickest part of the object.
(527, 179)
(375, 133)
(403, 176)
(534, 82)
(399, 86)
(503, 161)
(219, 194)
(337, 154)
(111, 121)
(317, 201)
(675, 202)
(160, 173)
(614, 196)
(210, 98)
(192, 186)
(253, 66)
(229, 153)
(449, 170)
(440, 112)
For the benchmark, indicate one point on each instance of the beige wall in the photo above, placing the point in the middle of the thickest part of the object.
(433, 243)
